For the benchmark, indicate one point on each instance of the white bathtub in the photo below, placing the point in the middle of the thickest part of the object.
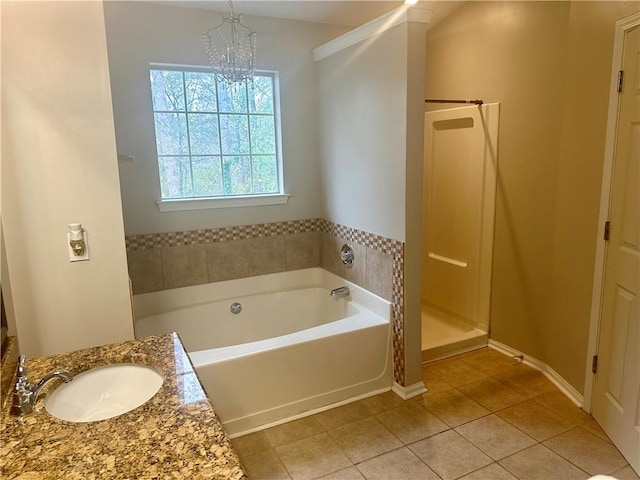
(292, 350)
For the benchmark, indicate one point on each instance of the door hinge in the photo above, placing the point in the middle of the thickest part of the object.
(594, 364)
(619, 82)
(607, 229)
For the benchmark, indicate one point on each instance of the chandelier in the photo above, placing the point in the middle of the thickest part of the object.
(231, 49)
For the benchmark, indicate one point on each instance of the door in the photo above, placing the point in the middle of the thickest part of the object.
(616, 399)
(459, 207)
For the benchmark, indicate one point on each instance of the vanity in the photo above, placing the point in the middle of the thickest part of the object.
(174, 435)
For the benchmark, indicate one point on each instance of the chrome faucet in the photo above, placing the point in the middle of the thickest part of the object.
(340, 292)
(26, 395)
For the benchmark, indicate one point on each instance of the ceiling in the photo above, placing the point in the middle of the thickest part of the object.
(352, 13)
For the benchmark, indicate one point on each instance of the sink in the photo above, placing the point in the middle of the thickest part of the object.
(104, 392)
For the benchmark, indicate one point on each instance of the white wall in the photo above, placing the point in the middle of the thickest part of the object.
(416, 58)
(371, 149)
(10, 320)
(59, 167)
(139, 34)
(363, 92)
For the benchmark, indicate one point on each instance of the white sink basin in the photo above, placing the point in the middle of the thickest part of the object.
(103, 392)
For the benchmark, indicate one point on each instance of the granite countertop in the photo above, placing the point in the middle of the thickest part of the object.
(175, 435)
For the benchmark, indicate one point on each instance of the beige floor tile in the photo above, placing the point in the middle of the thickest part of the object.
(293, 431)
(587, 451)
(399, 464)
(492, 394)
(364, 439)
(495, 437)
(312, 457)
(593, 427)
(558, 403)
(490, 472)
(380, 403)
(442, 361)
(626, 473)
(251, 444)
(265, 466)
(473, 352)
(371, 432)
(454, 408)
(411, 422)
(526, 381)
(535, 420)
(450, 455)
(455, 372)
(434, 383)
(491, 362)
(336, 417)
(540, 463)
(350, 473)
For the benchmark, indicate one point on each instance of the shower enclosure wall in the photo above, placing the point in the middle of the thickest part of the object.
(458, 218)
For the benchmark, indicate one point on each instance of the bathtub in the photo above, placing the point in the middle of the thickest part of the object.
(290, 351)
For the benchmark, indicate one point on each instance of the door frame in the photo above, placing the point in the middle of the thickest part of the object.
(622, 26)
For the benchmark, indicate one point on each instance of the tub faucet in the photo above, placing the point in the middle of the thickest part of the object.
(340, 292)
(26, 395)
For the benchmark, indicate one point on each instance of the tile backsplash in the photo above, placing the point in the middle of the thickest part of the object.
(184, 265)
(180, 259)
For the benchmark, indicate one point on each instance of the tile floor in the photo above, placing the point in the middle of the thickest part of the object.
(485, 417)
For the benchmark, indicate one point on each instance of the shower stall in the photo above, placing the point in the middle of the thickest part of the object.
(459, 188)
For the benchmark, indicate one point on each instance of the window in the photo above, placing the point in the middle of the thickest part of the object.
(215, 139)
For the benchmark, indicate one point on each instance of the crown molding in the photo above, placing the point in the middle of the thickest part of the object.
(420, 13)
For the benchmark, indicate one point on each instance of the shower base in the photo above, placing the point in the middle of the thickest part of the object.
(444, 335)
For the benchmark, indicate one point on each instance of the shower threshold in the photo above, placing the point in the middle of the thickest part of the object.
(444, 335)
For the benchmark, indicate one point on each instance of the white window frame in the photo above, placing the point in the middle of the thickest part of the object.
(229, 201)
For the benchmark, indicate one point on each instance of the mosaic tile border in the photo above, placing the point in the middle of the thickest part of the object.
(224, 234)
(398, 317)
(386, 245)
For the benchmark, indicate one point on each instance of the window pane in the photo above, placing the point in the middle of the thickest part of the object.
(263, 135)
(171, 133)
(214, 139)
(261, 95)
(265, 174)
(167, 90)
(236, 175)
(207, 177)
(232, 98)
(201, 91)
(203, 133)
(235, 134)
(175, 177)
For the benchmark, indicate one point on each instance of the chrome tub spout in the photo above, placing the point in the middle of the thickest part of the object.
(340, 292)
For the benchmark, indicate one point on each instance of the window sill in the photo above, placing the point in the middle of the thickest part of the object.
(182, 204)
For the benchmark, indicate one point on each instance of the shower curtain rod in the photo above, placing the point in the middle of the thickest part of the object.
(435, 100)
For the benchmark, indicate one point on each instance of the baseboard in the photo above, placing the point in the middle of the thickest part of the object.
(564, 386)
(411, 391)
